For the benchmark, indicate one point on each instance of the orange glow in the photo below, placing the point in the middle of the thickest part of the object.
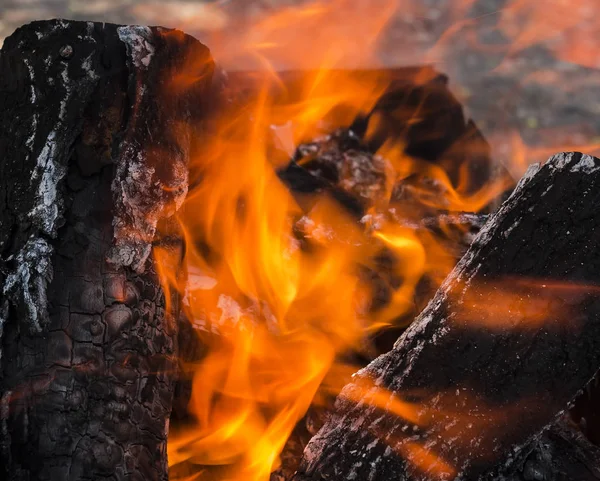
(518, 303)
(455, 197)
(317, 34)
(366, 391)
(468, 426)
(561, 25)
(427, 462)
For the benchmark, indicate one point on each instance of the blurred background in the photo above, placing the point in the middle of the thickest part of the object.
(527, 71)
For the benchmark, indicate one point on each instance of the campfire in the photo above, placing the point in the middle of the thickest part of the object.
(309, 274)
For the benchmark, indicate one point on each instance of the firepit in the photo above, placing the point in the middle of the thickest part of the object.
(314, 274)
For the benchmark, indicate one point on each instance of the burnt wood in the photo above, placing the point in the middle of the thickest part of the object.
(93, 155)
(561, 453)
(495, 359)
(417, 111)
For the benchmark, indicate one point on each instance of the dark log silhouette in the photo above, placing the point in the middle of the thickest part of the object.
(480, 378)
(88, 350)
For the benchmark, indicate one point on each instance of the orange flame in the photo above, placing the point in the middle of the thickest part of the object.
(273, 314)
(426, 461)
(274, 290)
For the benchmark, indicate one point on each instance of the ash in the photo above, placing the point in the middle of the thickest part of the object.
(49, 173)
(27, 285)
(139, 44)
(141, 195)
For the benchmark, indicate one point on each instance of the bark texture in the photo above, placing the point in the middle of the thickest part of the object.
(94, 146)
(508, 342)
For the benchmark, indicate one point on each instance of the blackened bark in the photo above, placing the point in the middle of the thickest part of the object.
(561, 453)
(94, 143)
(507, 343)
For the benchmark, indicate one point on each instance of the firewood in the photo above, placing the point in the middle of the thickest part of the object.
(88, 348)
(475, 387)
(418, 111)
(561, 452)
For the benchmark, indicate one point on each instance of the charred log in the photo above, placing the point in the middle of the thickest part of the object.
(87, 368)
(585, 412)
(475, 387)
(562, 452)
(418, 111)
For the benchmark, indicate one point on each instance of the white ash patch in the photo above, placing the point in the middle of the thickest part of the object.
(63, 103)
(32, 78)
(292, 248)
(27, 285)
(141, 200)
(90, 31)
(376, 221)
(139, 44)
(559, 161)
(322, 233)
(271, 320)
(507, 232)
(312, 230)
(33, 98)
(230, 310)
(31, 139)
(49, 172)
(587, 164)
(284, 136)
(199, 280)
(200, 324)
(133, 238)
(61, 23)
(87, 67)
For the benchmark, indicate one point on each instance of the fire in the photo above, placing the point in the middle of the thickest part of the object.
(273, 287)
(426, 461)
(459, 422)
(519, 303)
(274, 315)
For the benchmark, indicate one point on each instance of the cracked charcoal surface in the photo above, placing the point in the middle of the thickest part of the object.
(445, 366)
(86, 394)
(152, 176)
(40, 147)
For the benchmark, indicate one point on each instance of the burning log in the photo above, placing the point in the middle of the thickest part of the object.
(88, 344)
(416, 110)
(477, 385)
